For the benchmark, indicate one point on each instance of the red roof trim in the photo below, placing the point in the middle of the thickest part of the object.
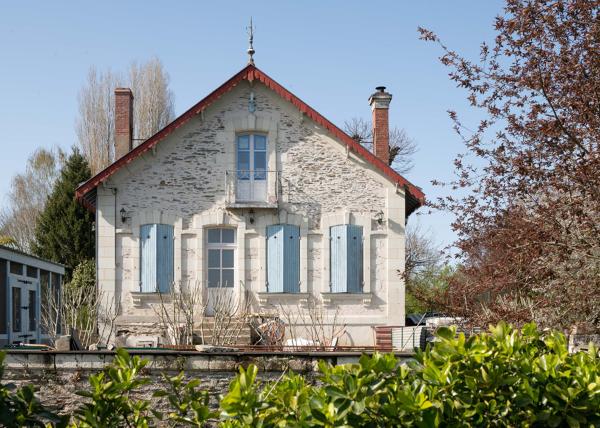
(250, 73)
(352, 144)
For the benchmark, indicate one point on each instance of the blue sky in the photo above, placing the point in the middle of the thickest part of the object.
(331, 54)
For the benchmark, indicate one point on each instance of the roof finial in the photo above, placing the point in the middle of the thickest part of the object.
(251, 47)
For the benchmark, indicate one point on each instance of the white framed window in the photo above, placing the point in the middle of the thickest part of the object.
(220, 256)
(251, 165)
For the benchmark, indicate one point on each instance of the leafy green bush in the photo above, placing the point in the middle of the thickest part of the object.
(505, 378)
(189, 405)
(110, 403)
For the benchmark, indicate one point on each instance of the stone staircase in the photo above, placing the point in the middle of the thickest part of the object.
(236, 332)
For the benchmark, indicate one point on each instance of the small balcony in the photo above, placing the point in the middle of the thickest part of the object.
(252, 189)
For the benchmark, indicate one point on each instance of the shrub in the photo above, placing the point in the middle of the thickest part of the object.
(110, 403)
(505, 378)
(189, 405)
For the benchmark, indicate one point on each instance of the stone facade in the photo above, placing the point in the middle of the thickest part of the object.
(316, 183)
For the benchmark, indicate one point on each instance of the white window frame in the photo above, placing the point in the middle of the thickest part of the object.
(221, 246)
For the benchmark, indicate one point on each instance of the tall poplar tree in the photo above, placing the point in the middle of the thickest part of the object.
(153, 108)
(64, 231)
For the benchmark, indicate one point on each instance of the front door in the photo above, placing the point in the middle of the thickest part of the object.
(251, 168)
(24, 305)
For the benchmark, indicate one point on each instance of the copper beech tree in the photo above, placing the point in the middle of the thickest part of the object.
(527, 190)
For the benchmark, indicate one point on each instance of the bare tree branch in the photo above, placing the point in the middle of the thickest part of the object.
(402, 147)
(153, 108)
(27, 197)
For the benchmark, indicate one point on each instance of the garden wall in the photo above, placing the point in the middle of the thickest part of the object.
(60, 374)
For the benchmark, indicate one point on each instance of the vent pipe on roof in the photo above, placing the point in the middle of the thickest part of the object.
(123, 122)
(380, 104)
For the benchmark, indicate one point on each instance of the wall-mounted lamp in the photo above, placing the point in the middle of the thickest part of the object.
(124, 215)
(251, 216)
(379, 217)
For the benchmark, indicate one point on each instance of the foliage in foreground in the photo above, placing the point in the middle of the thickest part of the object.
(506, 377)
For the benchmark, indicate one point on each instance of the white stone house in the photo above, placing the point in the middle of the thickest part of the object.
(254, 194)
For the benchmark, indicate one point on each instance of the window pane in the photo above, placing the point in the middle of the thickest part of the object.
(228, 236)
(214, 277)
(244, 142)
(214, 258)
(260, 160)
(243, 160)
(260, 165)
(227, 258)
(44, 286)
(32, 307)
(16, 309)
(227, 277)
(243, 165)
(260, 142)
(16, 268)
(214, 236)
(31, 272)
(44, 293)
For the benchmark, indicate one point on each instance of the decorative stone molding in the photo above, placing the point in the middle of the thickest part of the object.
(264, 297)
(332, 298)
(139, 299)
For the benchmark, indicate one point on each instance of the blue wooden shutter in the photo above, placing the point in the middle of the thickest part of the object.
(283, 258)
(338, 267)
(148, 258)
(164, 257)
(346, 258)
(275, 258)
(291, 259)
(355, 258)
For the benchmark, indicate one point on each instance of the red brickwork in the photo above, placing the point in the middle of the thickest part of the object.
(381, 134)
(123, 122)
(383, 338)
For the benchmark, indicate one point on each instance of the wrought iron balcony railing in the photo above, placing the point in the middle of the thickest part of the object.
(252, 188)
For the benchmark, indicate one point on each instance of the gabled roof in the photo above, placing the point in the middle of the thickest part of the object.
(415, 197)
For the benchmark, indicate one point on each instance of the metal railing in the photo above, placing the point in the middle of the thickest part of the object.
(258, 186)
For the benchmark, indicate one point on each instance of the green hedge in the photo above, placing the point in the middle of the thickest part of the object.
(506, 377)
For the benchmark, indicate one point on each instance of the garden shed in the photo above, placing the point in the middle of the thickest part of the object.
(25, 282)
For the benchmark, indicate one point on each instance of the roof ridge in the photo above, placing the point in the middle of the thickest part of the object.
(250, 73)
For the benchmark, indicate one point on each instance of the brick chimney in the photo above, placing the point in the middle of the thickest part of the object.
(123, 122)
(380, 104)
